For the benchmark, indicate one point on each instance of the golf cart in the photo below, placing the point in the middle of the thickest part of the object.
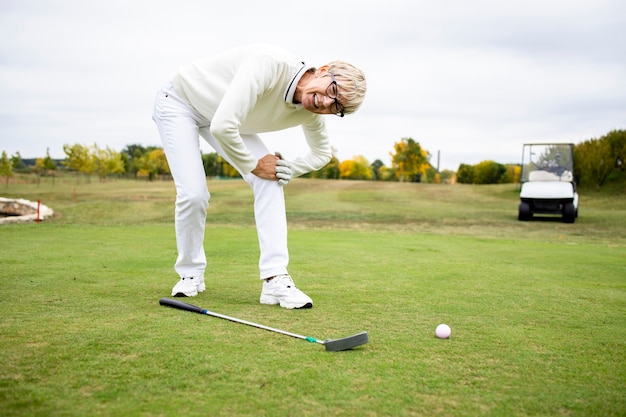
(548, 185)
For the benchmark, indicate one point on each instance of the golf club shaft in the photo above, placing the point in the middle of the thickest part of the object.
(260, 326)
(188, 307)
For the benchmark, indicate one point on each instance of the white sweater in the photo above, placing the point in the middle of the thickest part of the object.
(250, 90)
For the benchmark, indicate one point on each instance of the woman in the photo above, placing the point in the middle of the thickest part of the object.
(228, 99)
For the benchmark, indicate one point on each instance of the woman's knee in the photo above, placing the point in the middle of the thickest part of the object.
(193, 198)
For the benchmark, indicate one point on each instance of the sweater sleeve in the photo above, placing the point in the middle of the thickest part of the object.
(320, 151)
(251, 80)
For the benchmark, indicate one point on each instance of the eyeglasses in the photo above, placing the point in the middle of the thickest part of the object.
(332, 93)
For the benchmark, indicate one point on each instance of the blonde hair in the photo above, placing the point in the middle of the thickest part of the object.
(352, 83)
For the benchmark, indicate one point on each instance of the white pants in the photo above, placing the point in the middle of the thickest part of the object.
(180, 127)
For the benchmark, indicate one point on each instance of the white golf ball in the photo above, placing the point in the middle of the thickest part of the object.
(443, 331)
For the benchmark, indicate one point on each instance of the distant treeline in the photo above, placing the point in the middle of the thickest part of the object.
(597, 161)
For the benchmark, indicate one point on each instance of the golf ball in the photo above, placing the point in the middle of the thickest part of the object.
(443, 331)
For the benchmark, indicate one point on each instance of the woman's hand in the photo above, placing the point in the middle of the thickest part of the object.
(273, 167)
(266, 167)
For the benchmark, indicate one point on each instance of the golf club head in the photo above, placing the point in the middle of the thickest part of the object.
(346, 343)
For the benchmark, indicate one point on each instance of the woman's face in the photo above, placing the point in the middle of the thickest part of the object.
(320, 93)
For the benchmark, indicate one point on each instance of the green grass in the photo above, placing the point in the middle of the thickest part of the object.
(537, 309)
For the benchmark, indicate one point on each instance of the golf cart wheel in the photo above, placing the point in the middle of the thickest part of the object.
(569, 213)
(524, 211)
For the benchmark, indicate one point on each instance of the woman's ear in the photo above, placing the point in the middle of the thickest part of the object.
(321, 71)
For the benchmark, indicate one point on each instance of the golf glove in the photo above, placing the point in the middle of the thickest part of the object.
(283, 171)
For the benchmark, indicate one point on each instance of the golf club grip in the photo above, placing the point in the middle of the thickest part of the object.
(180, 305)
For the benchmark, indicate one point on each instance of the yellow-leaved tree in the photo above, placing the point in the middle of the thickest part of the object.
(107, 162)
(78, 159)
(409, 161)
(152, 164)
(357, 168)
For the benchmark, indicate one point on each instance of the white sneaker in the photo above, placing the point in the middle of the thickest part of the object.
(281, 290)
(188, 287)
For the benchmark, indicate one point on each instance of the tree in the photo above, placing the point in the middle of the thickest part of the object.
(127, 164)
(225, 169)
(488, 172)
(216, 166)
(39, 169)
(356, 169)
(6, 167)
(594, 162)
(330, 170)
(49, 166)
(153, 164)
(18, 163)
(45, 167)
(386, 174)
(465, 174)
(617, 143)
(107, 162)
(131, 156)
(48, 162)
(512, 175)
(409, 160)
(377, 167)
(78, 159)
(431, 175)
(209, 161)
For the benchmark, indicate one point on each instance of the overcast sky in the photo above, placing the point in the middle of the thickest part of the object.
(471, 79)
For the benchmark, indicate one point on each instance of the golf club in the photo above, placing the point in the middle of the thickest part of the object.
(331, 345)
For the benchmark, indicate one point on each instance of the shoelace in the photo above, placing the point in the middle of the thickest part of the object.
(289, 284)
